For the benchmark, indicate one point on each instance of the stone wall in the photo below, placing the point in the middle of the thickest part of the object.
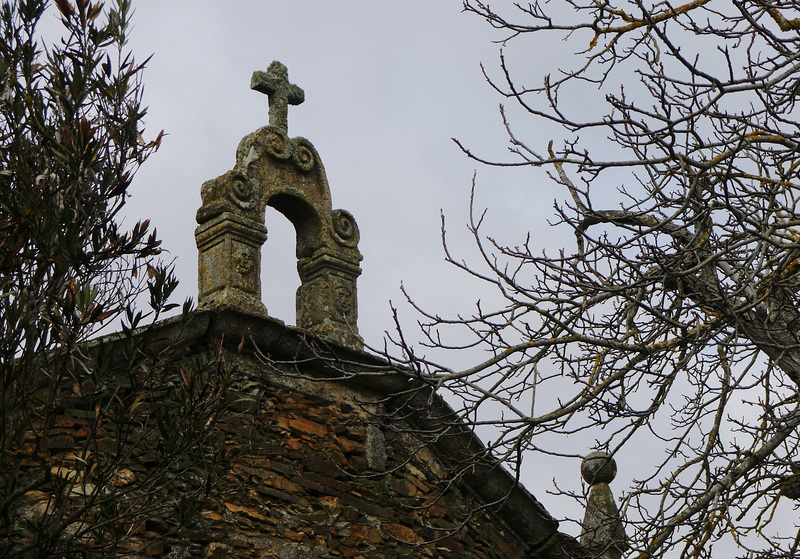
(300, 459)
(318, 478)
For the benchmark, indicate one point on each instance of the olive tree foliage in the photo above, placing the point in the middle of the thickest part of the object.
(74, 415)
(667, 328)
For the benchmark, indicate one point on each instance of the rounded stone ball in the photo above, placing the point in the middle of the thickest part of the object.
(598, 467)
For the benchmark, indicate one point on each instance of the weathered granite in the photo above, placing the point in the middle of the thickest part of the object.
(287, 174)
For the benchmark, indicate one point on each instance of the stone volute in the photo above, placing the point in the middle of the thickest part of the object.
(602, 534)
(285, 173)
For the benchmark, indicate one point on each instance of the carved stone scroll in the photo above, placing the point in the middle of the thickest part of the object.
(286, 174)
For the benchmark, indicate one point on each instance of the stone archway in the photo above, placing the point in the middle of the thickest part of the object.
(286, 174)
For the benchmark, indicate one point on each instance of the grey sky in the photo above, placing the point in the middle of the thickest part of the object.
(387, 86)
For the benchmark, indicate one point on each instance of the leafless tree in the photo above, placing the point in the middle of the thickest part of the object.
(672, 317)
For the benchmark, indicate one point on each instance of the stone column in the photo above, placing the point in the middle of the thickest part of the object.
(229, 263)
(327, 301)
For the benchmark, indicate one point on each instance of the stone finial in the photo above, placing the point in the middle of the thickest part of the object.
(275, 84)
(602, 533)
(285, 173)
(790, 485)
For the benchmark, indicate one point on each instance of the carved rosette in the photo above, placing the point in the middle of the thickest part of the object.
(303, 154)
(276, 144)
(345, 230)
(272, 142)
(242, 192)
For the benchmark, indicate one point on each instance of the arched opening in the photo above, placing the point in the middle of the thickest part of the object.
(312, 279)
(279, 278)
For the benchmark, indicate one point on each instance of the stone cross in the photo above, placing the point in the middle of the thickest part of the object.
(275, 84)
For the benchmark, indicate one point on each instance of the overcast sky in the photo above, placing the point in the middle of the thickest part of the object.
(387, 85)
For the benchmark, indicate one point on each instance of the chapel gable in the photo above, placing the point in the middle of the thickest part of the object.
(237, 436)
